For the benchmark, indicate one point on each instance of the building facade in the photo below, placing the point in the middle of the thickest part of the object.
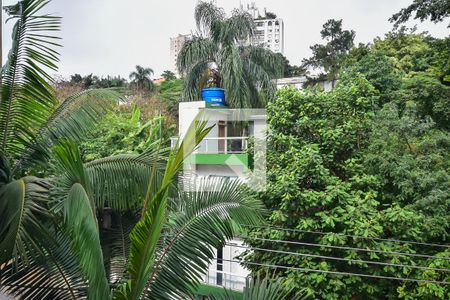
(222, 153)
(269, 31)
(301, 83)
(176, 43)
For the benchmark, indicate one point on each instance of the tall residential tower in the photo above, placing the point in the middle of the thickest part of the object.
(176, 43)
(269, 29)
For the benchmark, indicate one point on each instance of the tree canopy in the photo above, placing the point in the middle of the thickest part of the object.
(329, 56)
(435, 10)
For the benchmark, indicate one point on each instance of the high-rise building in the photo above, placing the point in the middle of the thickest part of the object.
(269, 29)
(176, 43)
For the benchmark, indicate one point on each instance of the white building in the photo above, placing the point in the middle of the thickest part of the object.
(222, 153)
(176, 43)
(301, 82)
(269, 31)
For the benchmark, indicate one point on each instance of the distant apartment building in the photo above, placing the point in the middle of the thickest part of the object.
(269, 31)
(176, 43)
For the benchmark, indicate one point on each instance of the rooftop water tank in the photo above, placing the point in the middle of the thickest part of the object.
(214, 96)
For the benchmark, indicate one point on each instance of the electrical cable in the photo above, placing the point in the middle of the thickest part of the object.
(348, 248)
(339, 273)
(338, 258)
(347, 235)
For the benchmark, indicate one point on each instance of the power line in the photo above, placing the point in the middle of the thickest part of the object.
(338, 273)
(339, 258)
(348, 248)
(347, 235)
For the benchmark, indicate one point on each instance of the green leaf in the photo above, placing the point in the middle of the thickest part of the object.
(203, 219)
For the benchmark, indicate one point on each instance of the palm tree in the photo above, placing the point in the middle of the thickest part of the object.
(141, 78)
(50, 201)
(220, 55)
(31, 122)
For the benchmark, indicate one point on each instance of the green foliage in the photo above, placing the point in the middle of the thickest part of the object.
(381, 72)
(435, 10)
(329, 57)
(79, 216)
(440, 64)
(410, 50)
(92, 81)
(291, 70)
(170, 91)
(123, 132)
(50, 245)
(337, 163)
(431, 97)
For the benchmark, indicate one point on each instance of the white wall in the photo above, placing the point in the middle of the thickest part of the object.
(220, 170)
(188, 111)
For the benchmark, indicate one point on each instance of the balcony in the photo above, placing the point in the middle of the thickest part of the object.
(219, 145)
(231, 151)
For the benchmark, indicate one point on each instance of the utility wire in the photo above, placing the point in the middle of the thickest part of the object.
(347, 235)
(338, 273)
(339, 258)
(348, 248)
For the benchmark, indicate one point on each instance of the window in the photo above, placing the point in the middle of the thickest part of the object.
(277, 23)
(269, 41)
(270, 23)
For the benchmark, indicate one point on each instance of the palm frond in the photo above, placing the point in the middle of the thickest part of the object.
(23, 205)
(194, 81)
(194, 51)
(266, 288)
(27, 97)
(54, 275)
(120, 181)
(146, 234)
(269, 61)
(204, 220)
(232, 71)
(116, 244)
(207, 15)
(238, 28)
(73, 119)
(73, 191)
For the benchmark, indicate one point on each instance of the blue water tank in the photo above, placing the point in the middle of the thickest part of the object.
(214, 96)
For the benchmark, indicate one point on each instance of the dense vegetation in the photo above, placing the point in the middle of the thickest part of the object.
(371, 159)
(89, 203)
(53, 203)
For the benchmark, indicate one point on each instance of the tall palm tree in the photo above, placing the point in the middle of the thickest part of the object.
(141, 78)
(220, 55)
(50, 200)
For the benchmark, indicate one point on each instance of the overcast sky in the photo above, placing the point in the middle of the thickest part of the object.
(112, 36)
